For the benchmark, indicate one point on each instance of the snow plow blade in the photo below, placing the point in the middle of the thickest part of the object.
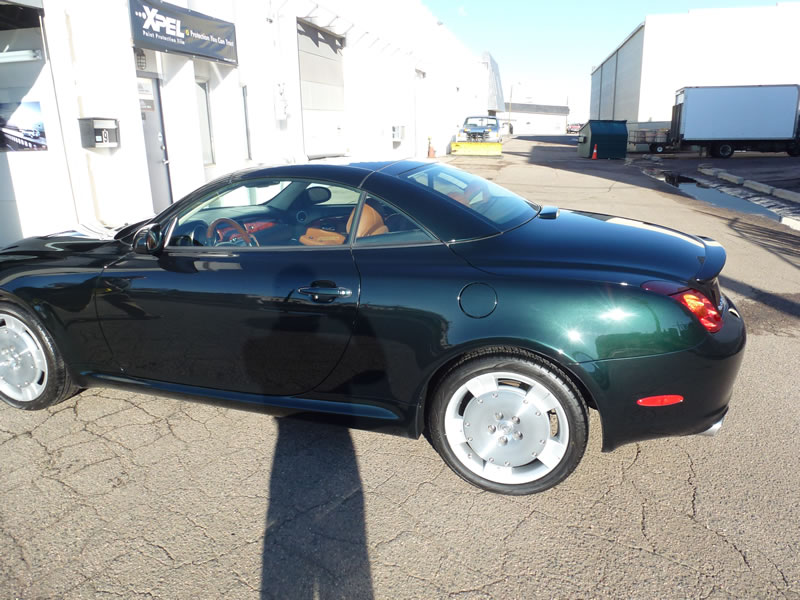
(476, 148)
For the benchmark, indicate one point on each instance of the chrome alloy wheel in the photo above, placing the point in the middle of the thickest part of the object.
(23, 365)
(506, 427)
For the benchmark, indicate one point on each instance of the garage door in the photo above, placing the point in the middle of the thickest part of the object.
(321, 91)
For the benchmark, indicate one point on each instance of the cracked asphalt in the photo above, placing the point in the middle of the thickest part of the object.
(119, 495)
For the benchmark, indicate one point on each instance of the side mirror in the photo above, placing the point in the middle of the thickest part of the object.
(148, 239)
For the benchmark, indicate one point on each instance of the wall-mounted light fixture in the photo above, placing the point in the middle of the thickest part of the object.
(20, 56)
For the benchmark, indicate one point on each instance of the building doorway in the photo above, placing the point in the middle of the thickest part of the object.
(155, 142)
(321, 91)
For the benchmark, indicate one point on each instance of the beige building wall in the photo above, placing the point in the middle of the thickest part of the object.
(406, 78)
(705, 47)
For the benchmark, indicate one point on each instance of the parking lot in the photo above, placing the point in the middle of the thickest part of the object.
(775, 169)
(119, 495)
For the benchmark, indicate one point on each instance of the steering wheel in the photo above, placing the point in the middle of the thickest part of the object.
(212, 230)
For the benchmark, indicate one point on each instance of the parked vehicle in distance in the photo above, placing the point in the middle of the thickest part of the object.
(574, 127)
(479, 129)
(402, 297)
(762, 118)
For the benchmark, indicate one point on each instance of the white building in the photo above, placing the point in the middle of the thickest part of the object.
(523, 118)
(197, 90)
(708, 47)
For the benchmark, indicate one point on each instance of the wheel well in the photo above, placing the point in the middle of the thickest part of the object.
(13, 300)
(457, 361)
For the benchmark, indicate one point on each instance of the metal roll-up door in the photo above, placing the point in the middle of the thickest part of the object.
(321, 91)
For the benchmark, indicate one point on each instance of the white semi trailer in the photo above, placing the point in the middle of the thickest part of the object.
(724, 119)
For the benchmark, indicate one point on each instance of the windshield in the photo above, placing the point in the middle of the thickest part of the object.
(481, 121)
(502, 208)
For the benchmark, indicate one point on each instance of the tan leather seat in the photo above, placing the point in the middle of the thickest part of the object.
(369, 224)
(321, 237)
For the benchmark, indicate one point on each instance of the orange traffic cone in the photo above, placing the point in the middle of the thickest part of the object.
(594, 153)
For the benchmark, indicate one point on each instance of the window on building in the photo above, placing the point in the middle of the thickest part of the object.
(204, 110)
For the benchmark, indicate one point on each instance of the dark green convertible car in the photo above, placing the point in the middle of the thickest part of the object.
(404, 297)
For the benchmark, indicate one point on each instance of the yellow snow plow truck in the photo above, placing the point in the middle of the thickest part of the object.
(479, 136)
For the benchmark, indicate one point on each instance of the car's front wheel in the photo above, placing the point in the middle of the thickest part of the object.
(32, 372)
(509, 423)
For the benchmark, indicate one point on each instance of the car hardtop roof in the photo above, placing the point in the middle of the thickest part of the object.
(353, 174)
(447, 219)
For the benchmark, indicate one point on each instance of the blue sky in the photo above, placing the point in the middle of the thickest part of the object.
(547, 48)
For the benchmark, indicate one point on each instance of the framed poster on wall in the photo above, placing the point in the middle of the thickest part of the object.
(21, 127)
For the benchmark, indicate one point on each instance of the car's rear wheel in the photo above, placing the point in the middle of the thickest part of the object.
(509, 423)
(32, 373)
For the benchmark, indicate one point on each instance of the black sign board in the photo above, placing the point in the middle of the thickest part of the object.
(168, 28)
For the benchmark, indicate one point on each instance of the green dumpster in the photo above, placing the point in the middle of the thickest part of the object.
(610, 138)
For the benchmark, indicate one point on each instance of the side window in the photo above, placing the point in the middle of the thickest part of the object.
(381, 223)
(231, 216)
(246, 196)
(339, 195)
(267, 212)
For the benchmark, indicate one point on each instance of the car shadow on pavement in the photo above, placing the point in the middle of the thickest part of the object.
(315, 538)
(782, 303)
(784, 244)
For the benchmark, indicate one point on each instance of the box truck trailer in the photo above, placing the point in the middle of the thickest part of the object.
(724, 119)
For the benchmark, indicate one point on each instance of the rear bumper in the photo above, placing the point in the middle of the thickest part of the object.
(714, 429)
(704, 376)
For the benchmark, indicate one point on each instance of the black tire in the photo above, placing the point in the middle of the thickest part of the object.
(50, 382)
(794, 150)
(658, 148)
(724, 150)
(545, 404)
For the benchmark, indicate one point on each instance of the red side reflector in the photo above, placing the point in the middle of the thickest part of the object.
(660, 400)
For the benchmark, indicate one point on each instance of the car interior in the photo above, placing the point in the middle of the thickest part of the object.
(297, 213)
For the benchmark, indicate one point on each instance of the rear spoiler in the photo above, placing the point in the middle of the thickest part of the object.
(714, 259)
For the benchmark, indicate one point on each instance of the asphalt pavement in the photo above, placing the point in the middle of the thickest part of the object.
(119, 495)
(776, 169)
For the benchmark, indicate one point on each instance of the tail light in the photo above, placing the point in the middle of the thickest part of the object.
(702, 308)
(697, 303)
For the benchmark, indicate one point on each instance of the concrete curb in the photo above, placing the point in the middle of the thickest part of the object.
(786, 195)
(725, 176)
(756, 186)
(789, 222)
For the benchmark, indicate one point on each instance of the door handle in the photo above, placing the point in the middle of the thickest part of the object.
(325, 294)
(165, 161)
